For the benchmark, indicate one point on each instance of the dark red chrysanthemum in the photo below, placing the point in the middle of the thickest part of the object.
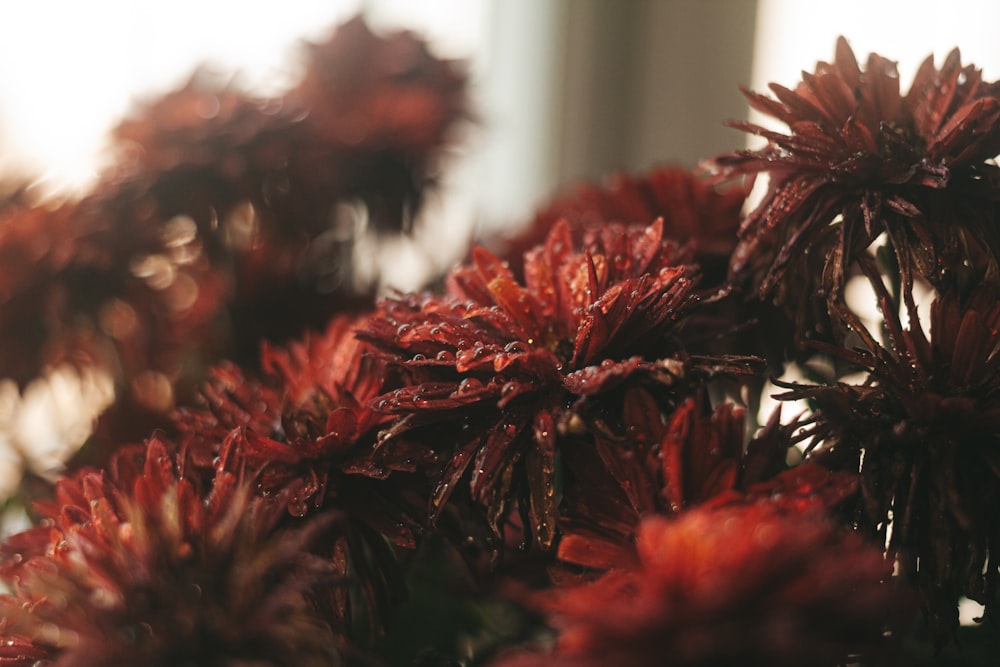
(695, 458)
(512, 368)
(305, 433)
(692, 210)
(303, 427)
(923, 429)
(861, 159)
(137, 566)
(742, 585)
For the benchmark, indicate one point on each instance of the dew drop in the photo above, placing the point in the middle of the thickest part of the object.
(576, 425)
(469, 385)
(422, 401)
(439, 493)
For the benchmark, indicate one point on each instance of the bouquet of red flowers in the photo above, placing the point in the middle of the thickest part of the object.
(557, 455)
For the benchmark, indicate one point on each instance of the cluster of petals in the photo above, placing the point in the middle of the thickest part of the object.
(691, 208)
(861, 159)
(303, 426)
(522, 366)
(305, 434)
(922, 430)
(137, 565)
(698, 457)
(743, 585)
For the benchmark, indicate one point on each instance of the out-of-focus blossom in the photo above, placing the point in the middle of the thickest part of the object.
(140, 566)
(691, 209)
(220, 223)
(365, 121)
(19, 651)
(745, 585)
(270, 182)
(41, 428)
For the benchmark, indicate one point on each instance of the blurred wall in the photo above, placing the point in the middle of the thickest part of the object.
(572, 90)
(650, 81)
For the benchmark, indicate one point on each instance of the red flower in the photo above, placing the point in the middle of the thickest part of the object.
(307, 421)
(19, 651)
(86, 284)
(726, 586)
(305, 434)
(137, 566)
(515, 368)
(695, 458)
(691, 209)
(861, 159)
(922, 431)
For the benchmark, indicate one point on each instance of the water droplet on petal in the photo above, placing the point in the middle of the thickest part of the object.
(469, 385)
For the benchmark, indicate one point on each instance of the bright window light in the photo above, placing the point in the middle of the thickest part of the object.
(793, 35)
(71, 69)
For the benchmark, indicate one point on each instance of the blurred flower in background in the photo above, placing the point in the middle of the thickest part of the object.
(43, 426)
